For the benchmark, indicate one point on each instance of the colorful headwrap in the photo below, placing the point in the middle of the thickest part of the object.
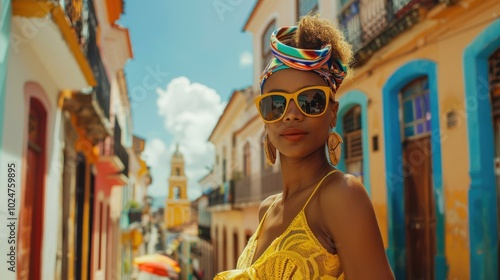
(286, 56)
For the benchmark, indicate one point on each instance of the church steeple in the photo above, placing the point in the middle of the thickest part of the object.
(178, 210)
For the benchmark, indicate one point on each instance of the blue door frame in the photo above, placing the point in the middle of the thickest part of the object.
(5, 18)
(483, 221)
(396, 251)
(346, 102)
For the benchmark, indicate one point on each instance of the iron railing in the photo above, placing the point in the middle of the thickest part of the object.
(257, 187)
(204, 232)
(134, 216)
(222, 194)
(371, 24)
(118, 148)
(103, 88)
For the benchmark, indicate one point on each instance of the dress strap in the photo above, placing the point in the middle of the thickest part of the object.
(265, 215)
(317, 187)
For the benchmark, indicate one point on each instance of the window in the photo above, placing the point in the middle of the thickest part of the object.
(224, 165)
(247, 160)
(415, 108)
(263, 163)
(266, 44)
(306, 6)
(177, 192)
(353, 144)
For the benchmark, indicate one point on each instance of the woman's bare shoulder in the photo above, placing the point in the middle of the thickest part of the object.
(265, 204)
(344, 187)
(351, 221)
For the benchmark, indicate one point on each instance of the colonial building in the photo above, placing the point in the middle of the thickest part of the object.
(136, 221)
(45, 63)
(424, 87)
(65, 93)
(205, 252)
(238, 174)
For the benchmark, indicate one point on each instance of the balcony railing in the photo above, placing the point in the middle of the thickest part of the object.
(134, 216)
(271, 183)
(256, 188)
(119, 150)
(371, 24)
(103, 88)
(76, 11)
(244, 191)
(204, 232)
(222, 195)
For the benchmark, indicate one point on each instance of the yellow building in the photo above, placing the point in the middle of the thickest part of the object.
(419, 118)
(178, 207)
(420, 121)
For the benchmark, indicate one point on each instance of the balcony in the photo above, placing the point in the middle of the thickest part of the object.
(371, 24)
(271, 183)
(103, 88)
(204, 232)
(254, 189)
(113, 159)
(75, 11)
(134, 216)
(86, 114)
(244, 192)
(55, 44)
(222, 196)
(119, 150)
(90, 109)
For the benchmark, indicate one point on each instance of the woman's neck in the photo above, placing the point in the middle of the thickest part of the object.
(299, 174)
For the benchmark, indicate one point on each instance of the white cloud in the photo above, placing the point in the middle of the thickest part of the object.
(246, 59)
(157, 157)
(190, 112)
(154, 152)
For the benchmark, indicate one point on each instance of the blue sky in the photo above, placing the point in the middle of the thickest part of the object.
(188, 58)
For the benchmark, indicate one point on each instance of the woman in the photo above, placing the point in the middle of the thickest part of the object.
(322, 226)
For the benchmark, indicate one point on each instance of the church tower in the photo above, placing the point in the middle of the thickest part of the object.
(178, 209)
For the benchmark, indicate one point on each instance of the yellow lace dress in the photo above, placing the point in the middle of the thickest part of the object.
(295, 254)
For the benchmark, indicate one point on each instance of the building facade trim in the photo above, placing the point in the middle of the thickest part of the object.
(347, 101)
(483, 220)
(5, 18)
(396, 251)
(41, 9)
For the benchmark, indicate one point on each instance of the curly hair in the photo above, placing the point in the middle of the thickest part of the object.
(314, 33)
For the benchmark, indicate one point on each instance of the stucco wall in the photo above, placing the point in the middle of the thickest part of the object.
(24, 67)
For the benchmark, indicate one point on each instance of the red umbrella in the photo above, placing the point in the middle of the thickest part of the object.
(158, 265)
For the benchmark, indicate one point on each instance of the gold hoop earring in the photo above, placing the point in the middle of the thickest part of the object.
(334, 148)
(270, 151)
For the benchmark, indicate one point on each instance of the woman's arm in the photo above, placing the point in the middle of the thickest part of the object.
(351, 221)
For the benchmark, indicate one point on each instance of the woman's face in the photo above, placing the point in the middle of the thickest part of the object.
(297, 135)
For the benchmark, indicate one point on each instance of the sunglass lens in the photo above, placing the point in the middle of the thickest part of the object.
(312, 101)
(272, 107)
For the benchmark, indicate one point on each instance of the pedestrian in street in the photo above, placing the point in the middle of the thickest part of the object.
(322, 225)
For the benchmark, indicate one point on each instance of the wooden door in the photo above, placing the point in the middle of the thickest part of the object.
(494, 80)
(31, 212)
(496, 129)
(420, 213)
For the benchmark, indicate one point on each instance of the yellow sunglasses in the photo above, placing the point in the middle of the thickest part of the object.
(312, 102)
